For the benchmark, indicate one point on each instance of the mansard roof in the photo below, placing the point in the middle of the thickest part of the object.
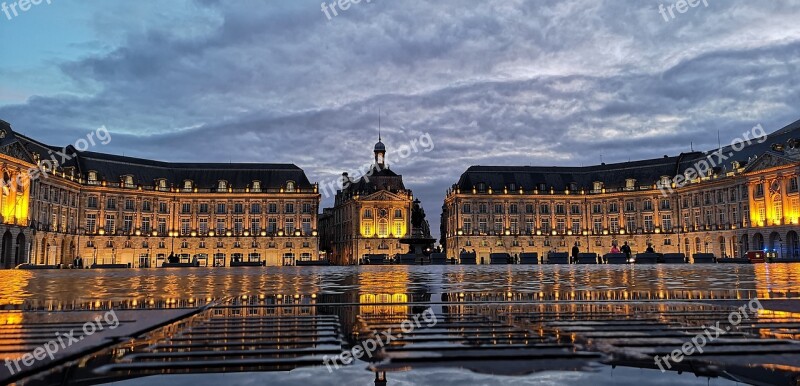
(645, 172)
(145, 172)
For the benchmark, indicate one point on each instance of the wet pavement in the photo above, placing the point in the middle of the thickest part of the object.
(442, 325)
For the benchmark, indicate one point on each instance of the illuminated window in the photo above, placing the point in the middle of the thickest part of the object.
(367, 213)
(383, 228)
(256, 186)
(614, 225)
(777, 206)
(398, 228)
(91, 223)
(290, 186)
(666, 222)
(222, 185)
(648, 223)
(598, 225)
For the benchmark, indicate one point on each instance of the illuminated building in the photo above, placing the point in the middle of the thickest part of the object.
(370, 214)
(747, 201)
(16, 239)
(110, 209)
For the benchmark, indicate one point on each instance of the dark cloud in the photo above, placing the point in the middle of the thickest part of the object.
(511, 82)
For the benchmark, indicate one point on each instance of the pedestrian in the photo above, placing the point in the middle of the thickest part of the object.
(626, 249)
(575, 252)
(614, 248)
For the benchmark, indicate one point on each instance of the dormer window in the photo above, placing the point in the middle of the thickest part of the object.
(481, 187)
(187, 185)
(223, 185)
(256, 186)
(161, 184)
(92, 178)
(127, 181)
(597, 187)
(573, 186)
(665, 181)
(630, 184)
(290, 186)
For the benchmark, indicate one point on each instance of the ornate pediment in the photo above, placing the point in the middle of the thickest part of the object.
(383, 195)
(768, 161)
(16, 150)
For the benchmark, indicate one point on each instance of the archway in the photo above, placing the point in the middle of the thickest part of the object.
(745, 243)
(758, 242)
(20, 255)
(775, 243)
(792, 245)
(6, 257)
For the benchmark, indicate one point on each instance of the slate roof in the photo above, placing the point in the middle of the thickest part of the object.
(645, 172)
(145, 172)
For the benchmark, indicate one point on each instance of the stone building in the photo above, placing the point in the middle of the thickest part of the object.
(746, 200)
(123, 210)
(370, 214)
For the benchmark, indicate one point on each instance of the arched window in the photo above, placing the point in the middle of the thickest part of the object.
(697, 247)
(290, 186)
(256, 186)
(481, 187)
(223, 185)
(92, 177)
(187, 185)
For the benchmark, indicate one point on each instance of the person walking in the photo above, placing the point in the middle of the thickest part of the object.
(575, 252)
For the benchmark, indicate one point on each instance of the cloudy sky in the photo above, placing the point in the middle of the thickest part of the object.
(494, 83)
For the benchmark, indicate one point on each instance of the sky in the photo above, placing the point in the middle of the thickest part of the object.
(563, 83)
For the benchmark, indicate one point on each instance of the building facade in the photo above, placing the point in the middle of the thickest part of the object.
(370, 214)
(109, 209)
(748, 201)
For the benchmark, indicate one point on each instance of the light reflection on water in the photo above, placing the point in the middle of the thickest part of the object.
(623, 282)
